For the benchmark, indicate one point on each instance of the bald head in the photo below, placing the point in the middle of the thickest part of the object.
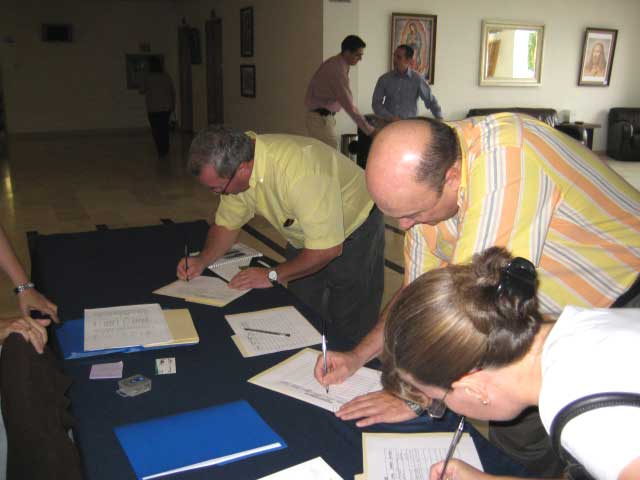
(409, 164)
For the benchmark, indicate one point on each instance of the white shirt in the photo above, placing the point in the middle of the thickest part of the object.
(590, 351)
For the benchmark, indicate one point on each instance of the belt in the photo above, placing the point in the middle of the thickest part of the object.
(323, 112)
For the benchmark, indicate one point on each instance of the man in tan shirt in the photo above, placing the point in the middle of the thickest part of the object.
(160, 97)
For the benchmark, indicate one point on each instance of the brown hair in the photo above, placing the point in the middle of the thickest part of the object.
(438, 155)
(453, 320)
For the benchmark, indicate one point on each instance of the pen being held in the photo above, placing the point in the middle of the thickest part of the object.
(452, 448)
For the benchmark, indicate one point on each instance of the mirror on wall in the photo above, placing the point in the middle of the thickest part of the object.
(511, 53)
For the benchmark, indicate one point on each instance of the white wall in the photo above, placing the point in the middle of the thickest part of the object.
(288, 49)
(458, 53)
(79, 85)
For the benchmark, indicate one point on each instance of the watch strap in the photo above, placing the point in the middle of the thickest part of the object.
(22, 287)
(415, 407)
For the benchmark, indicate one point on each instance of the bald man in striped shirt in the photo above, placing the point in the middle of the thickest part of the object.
(501, 180)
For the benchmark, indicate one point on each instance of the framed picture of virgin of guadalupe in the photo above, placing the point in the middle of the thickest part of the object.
(419, 32)
(597, 57)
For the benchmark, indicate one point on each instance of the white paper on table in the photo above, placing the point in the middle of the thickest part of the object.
(285, 320)
(208, 290)
(294, 377)
(315, 469)
(230, 270)
(409, 456)
(101, 371)
(117, 327)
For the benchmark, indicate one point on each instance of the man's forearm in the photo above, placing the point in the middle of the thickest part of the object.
(306, 263)
(9, 262)
(371, 345)
(219, 240)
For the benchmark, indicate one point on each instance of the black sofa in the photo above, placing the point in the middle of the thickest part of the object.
(623, 138)
(547, 115)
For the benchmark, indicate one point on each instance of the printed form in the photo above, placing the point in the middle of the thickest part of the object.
(294, 377)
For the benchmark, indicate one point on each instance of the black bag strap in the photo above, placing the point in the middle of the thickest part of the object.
(583, 405)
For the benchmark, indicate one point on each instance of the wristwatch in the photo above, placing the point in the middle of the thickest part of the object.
(273, 276)
(415, 407)
(22, 287)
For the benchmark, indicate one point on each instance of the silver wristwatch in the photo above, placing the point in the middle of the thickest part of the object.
(415, 407)
(22, 287)
(273, 276)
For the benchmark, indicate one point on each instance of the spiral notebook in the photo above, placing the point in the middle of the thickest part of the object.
(239, 253)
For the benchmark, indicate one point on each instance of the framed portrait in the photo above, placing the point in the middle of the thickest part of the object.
(248, 80)
(597, 57)
(246, 32)
(419, 32)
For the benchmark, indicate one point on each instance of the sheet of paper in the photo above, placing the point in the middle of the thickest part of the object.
(289, 330)
(230, 270)
(294, 377)
(315, 469)
(409, 456)
(101, 371)
(209, 290)
(117, 327)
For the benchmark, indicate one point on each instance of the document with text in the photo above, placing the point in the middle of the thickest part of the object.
(271, 330)
(127, 326)
(314, 469)
(207, 290)
(294, 377)
(409, 456)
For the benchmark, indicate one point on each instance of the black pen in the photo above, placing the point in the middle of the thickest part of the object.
(186, 259)
(267, 331)
(452, 447)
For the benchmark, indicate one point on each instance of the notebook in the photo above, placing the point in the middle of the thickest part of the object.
(196, 439)
(70, 336)
(237, 254)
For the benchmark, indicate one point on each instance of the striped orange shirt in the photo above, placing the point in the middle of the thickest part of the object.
(542, 195)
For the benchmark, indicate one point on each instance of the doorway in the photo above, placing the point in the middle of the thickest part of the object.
(215, 98)
(184, 69)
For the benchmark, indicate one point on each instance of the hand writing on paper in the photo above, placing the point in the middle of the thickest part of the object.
(376, 407)
(340, 366)
(457, 470)
(31, 299)
(196, 267)
(33, 331)
(254, 277)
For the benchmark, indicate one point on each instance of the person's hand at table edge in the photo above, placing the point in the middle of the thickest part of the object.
(254, 277)
(31, 299)
(376, 407)
(459, 470)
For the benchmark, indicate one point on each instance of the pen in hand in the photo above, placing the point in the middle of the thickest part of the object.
(452, 447)
(324, 358)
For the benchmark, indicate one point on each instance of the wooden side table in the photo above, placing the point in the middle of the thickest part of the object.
(588, 127)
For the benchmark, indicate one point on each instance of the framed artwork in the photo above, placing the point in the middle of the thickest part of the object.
(419, 32)
(597, 56)
(248, 80)
(246, 32)
(137, 67)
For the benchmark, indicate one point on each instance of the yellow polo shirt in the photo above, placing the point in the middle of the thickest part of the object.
(311, 193)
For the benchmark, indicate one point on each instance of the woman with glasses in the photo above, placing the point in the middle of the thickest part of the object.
(471, 338)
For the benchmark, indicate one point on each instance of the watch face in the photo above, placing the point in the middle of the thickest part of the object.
(273, 275)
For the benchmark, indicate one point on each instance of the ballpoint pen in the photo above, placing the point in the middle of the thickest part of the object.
(266, 331)
(186, 259)
(324, 351)
(452, 447)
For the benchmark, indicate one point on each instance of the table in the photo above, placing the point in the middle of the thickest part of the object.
(588, 127)
(118, 267)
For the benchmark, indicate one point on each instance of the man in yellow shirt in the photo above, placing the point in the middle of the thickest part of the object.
(317, 199)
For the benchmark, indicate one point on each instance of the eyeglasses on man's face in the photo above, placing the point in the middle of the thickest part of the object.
(223, 190)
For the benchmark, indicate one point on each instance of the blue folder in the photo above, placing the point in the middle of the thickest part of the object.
(71, 340)
(196, 439)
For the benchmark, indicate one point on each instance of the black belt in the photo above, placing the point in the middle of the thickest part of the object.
(323, 112)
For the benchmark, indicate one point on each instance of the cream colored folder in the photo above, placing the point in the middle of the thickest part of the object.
(181, 327)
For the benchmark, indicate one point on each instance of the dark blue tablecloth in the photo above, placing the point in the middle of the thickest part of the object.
(119, 267)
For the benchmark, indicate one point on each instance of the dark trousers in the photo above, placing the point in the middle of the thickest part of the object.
(348, 291)
(159, 122)
(525, 438)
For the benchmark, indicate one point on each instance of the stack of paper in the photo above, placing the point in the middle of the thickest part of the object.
(196, 439)
(272, 330)
(409, 456)
(315, 469)
(294, 377)
(239, 253)
(207, 290)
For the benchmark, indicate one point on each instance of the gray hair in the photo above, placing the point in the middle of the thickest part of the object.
(222, 147)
